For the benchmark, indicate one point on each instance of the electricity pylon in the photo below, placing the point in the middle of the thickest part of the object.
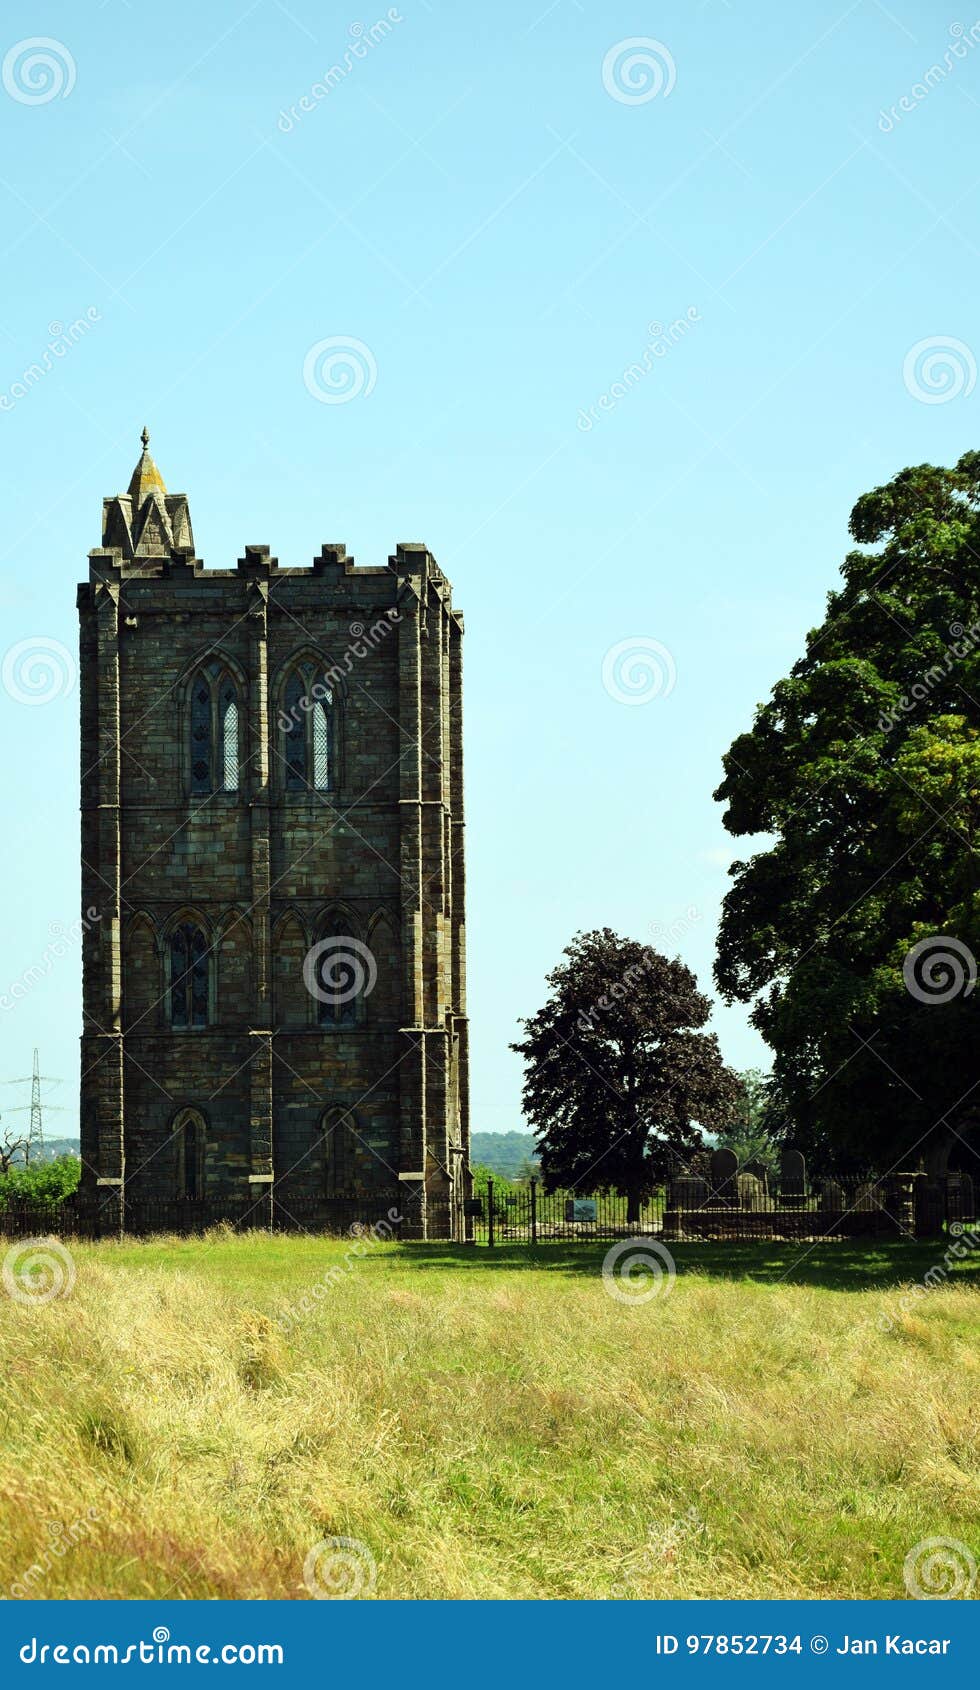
(35, 1136)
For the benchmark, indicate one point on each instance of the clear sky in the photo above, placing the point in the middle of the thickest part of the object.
(496, 203)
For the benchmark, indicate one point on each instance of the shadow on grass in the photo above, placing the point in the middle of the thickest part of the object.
(836, 1267)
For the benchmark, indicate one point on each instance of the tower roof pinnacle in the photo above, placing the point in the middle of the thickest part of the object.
(146, 477)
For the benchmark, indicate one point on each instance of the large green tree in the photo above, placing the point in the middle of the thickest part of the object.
(619, 1073)
(855, 929)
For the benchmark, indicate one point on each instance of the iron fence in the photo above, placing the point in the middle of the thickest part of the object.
(692, 1207)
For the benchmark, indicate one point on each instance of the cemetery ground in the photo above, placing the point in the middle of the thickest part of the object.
(778, 1421)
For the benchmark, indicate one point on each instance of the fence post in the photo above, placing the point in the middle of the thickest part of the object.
(490, 1217)
(534, 1211)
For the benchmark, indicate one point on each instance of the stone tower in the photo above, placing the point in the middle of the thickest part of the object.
(272, 870)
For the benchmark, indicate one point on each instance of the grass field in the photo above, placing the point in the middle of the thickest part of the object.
(485, 1424)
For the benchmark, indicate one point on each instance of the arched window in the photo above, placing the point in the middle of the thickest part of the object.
(189, 976)
(338, 1132)
(215, 727)
(340, 971)
(189, 1133)
(201, 749)
(307, 727)
(228, 715)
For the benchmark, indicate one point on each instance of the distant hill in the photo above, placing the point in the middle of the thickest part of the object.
(53, 1148)
(503, 1153)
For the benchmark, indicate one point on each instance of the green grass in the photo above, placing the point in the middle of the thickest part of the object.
(487, 1424)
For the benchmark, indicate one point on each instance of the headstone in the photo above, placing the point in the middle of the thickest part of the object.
(723, 1180)
(687, 1191)
(960, 1201)
(792, 1178)
(751, 1193)
(832, 1196)
(759, 1171)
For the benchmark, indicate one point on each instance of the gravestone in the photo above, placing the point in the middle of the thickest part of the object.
(759, 1171)
(687, 1191)
(960, 1197)
(723, 1180)
(752, 1194)
(792, 1178)
(832, 1196)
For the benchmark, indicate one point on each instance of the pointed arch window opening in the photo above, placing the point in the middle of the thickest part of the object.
(191, 1145)
(215, 728)
(337, 1130)
(191, 1182)
(229, 738)
(189, 977)
(308, 730)
(341, 975)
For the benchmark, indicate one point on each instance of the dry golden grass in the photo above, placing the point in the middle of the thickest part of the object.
(485, 1428)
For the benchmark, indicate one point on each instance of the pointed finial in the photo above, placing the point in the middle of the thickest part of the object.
(145, 437)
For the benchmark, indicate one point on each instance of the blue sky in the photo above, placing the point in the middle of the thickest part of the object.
(497, 207)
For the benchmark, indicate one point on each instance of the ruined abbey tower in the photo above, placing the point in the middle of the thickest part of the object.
(272, 846)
